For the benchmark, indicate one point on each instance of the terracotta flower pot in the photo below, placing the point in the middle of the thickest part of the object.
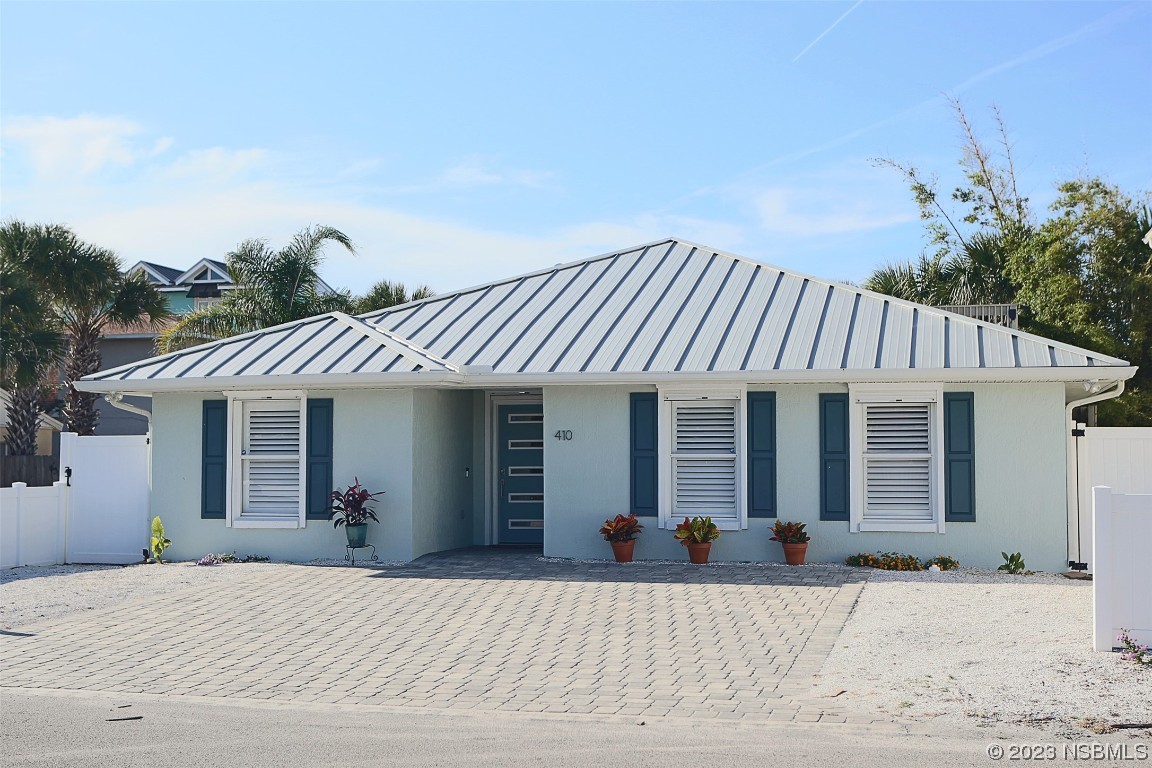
(794, 553)
(623, 550)
(698, 552)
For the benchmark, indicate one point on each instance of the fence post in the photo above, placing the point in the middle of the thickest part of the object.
(63, 510)
(1102, 568)
(19, 489)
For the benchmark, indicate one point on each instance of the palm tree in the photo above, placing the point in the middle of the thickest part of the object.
(389, 294)
(86, 291)
(29, 343)
(974, 275)
(272, 287)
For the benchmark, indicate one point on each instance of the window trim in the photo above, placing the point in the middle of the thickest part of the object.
(235, 496)
(666, 396)
(859, 397)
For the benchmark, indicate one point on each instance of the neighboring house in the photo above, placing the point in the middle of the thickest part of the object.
(669, 380)
(186, 290)
(49, 427)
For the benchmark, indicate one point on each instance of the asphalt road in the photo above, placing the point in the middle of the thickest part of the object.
(60, 729)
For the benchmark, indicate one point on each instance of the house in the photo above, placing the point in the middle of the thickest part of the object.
(48, 428)
(669, 380)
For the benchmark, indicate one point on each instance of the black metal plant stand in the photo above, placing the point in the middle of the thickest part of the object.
(350, 552)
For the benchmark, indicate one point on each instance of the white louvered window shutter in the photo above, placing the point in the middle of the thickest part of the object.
(898, 462)
(270, 459)
(704, 455)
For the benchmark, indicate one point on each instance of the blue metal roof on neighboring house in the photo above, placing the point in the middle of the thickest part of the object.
(669, 307)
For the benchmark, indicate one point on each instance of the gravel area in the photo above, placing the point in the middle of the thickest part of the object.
(33, 593)
(985, 647)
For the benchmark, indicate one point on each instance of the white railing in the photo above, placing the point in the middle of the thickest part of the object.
(33, 524)
(1122, 567)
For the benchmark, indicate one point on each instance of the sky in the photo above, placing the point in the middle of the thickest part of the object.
(458, 143)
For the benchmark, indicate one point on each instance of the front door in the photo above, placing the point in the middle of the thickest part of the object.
(520, 473)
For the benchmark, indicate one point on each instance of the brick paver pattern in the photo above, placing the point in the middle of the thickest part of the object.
(475, 629)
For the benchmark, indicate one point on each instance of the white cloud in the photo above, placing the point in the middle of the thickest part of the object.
(809, 212)
(216, 164)
(80, 146)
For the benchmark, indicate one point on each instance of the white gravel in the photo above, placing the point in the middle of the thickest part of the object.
(984, 647)
(33, 593)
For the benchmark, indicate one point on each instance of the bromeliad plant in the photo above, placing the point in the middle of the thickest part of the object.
(789, 533)
(621, 528)
(698, 530)
(350, 507)
(1013, 563)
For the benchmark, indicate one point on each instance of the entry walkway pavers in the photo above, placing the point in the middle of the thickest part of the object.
(473, 629)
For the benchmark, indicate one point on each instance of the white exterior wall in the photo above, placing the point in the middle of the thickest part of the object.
(373, 441)
(1020, 484)
(442, 511)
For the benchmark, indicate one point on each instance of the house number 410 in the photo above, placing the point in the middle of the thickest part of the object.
(563, 434)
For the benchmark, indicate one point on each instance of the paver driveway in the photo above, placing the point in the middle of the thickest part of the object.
(475, 629)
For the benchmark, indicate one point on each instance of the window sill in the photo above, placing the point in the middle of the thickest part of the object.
(285, 523)
(895, 526)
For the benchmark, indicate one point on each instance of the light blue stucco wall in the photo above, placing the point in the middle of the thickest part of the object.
(1020, 480)
(373, 441)
(442, 511)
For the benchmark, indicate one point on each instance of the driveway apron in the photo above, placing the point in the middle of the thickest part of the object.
(474, 629)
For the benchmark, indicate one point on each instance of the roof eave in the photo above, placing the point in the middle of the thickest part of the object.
(495, 380)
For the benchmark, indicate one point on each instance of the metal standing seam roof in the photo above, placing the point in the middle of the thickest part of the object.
(669, 307)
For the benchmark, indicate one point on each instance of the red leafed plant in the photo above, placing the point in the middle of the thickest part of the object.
(350, 507)
(789, 533)
(621, 528)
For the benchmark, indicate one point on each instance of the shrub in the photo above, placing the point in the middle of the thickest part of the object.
(1013, 563)
(621, 528)
(158, 542)
(698, 530)
(1133, 651)
(886, 561)
(943, 562)
(789, 533)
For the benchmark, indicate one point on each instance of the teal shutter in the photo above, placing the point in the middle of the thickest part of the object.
(214, 454)
(644, 469)
(959, 458)
(761, 454)
(834, 493)
(318, 461)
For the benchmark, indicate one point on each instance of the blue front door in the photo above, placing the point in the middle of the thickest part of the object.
(520, 473)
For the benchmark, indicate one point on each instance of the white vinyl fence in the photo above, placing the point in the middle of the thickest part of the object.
(97, 513)
(33, 524)
(1122, 578)
(1118, 457)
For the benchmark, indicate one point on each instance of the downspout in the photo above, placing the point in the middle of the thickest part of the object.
(116, 400)
(1073, 479)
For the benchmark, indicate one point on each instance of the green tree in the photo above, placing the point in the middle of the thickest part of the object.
(1082, 275)
(85, 291)
(389, 294)
(272, 287)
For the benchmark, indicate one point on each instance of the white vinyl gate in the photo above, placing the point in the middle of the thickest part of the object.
(110, 496)
(1118, 457)
(1122, 524)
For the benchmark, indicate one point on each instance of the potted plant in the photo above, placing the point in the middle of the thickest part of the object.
(621, 533)
(350, 509)
(697, 534)
(794, 540)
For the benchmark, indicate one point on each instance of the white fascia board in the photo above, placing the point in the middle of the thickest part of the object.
(244, 383)
(1103, 374)
(187, 276)
(689, 379)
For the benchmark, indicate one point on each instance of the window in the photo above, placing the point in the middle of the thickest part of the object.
(266, 470)
(703, 445)
(203, 303)
(897, 453)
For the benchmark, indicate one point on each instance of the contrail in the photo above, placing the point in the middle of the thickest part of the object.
(821, 36)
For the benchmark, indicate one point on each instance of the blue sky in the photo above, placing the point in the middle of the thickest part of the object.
(462, 142)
